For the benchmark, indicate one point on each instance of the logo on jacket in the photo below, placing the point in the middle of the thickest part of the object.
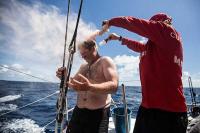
(178, 61)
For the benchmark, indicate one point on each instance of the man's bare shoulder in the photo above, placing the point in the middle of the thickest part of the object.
(107, 60)
(83, 65)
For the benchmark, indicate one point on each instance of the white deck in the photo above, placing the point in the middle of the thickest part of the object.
(111, 128)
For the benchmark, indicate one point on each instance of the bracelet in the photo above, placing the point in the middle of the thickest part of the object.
(120, 38)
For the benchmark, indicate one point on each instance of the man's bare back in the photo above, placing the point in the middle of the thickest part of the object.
(95, 74)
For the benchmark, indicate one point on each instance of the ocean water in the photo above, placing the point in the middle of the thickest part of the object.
(33, 118)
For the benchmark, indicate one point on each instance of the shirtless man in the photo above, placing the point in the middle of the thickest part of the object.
(94, 83)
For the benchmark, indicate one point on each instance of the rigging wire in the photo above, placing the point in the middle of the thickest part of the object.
(49, 123)
(33, 76)
(36, 77)
(55, 119)
(66, 35)
(28, 104)
(39, 79)
(62, 100)
(193, 94)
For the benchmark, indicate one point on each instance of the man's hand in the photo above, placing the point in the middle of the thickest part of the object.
(105, 25)
(105, 22)
(113, 36)
(60, 71)
(80, 86)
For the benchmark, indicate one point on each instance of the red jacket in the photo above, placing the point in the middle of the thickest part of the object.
(160, 62)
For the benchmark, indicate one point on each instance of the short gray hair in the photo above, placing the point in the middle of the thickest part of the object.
(89, 44)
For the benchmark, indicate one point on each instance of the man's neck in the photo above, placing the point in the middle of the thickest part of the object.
(94, 59)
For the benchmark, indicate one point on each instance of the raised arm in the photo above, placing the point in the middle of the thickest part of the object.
(132, 44)
(146, 28)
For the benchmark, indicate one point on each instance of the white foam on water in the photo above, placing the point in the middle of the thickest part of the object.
(23, 126)
(7, 107)
(9, 98)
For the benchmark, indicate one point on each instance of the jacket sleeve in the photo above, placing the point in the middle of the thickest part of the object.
(134, 45)
(148, 29)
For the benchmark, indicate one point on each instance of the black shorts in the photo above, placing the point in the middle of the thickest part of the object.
(89, 121)
(159, 121)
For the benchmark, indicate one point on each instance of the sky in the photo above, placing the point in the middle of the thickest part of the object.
(32, 35)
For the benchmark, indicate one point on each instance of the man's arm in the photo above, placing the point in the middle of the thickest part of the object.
(148, 29)
(63, 70)
(109, 86)
(79, 79)
(134, 45)
(110, 73)
(76, 76)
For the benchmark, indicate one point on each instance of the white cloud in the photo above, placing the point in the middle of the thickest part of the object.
(3, 69)
(143, 40)
(17, 66)
(34, 34)
(20, 68)
(195, 79)
(186, 74)
(185, 77)
(10, 72)
(128, 69)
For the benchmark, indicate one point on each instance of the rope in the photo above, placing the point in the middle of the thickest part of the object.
(62, 82)
(29, 104)
(55, 119)
(125, 107)
(64, 53)
(70, 110)
(193, 94)
(49, 123)
(26, 74)
(62, 100)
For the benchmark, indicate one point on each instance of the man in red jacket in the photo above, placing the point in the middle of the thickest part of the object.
(163, 108)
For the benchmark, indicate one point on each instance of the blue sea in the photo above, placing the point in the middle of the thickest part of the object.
(33, 118)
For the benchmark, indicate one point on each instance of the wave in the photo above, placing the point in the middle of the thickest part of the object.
(8, 107)
(22, 126)
(9, 98)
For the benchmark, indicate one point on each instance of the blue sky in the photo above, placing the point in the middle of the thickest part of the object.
(185, 16)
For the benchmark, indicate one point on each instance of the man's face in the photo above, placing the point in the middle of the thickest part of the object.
(86, 54)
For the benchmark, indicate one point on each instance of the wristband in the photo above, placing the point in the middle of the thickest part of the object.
(120, 38)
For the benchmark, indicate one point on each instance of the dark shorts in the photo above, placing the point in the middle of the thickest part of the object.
(159, 121)
(89, 121)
